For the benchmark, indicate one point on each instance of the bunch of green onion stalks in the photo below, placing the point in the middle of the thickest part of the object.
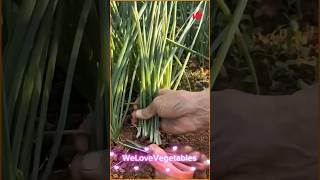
(157, 51)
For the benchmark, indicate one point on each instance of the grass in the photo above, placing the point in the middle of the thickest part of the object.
(154, 38)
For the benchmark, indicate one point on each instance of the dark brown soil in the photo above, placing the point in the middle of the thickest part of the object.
(199, 141)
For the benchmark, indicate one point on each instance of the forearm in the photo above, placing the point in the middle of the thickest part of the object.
(202, 104)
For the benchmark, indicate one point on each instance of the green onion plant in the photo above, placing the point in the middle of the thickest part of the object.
(36, 40)
(151, 49)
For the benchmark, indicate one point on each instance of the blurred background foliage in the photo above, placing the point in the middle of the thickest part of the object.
(55, 73)
(277, 51)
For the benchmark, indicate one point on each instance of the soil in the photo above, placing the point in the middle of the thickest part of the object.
(199, 141)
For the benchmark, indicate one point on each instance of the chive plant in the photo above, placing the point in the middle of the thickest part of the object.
(34, 40)
(121, 44)
(231, 32)
(149, 37)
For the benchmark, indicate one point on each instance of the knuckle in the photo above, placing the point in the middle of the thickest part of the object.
(157, 101)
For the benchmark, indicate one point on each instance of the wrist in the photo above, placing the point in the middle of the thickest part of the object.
(203, 98)
(202, 108)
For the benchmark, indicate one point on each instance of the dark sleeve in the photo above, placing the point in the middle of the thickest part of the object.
(264, 138)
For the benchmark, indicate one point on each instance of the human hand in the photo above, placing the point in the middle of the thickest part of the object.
(180, 111)
(179, 169)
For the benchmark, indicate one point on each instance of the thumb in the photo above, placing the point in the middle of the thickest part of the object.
(147, 112)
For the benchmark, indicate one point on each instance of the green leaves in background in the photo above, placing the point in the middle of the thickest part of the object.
(228, 37)
(39, 37)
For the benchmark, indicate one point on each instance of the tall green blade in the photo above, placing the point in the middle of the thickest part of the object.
(241, 44)
(223, 50)
(28, 140)
(16, 62)
(103, 79)
(68, 84)
(20, 28)
(29, 82)
(46, 91)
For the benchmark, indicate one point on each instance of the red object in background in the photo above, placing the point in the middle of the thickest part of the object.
(197, 16)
